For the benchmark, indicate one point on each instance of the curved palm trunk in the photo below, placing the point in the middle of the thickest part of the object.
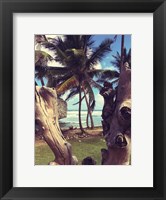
(87, 120)
(89, 110)
(42, 82)
(79, 114)
(91, 118)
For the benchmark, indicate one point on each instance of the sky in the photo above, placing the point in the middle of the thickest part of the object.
(104, 64)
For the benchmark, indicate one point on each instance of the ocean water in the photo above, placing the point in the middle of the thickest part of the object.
(72, 119)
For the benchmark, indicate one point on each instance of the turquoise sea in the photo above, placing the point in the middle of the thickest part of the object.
(72, 119)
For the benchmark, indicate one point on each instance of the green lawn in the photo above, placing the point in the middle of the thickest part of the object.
(81, 149)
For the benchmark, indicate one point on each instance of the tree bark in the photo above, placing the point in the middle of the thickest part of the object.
(42, 82)
(46, 123)
(87, 120)
(89, 110)
(117, 122)
(79, 110)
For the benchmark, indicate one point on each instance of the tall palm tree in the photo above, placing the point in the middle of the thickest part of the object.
(77, 55)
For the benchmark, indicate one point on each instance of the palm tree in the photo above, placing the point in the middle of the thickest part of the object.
(41, 60)
(90, 102)
(120, 59)
(77, 55)
(126, 58)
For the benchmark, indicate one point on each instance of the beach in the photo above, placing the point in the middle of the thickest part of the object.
(72, 119)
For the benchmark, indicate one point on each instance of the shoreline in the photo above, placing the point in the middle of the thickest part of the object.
(98, 130)
(76, 133)
(71, 119)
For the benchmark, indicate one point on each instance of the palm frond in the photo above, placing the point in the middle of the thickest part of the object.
(101, 73)
(40, 72)
(51, 73)
(117, 58)
(41, 57)
(73, 92)
(95, 84)
(73, 41)
(115, 37)
(60, 78)
(99, 52)
(60, 56)
(40, 38)
(59, 42)
(87, 42)
(54, 79)
(91, 81)
(48, 45)
(52, 70)
(79, 101)
(66, 85)
(109, 74)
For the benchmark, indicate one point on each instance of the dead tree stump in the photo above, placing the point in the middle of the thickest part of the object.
(46, 123)
(117, 121)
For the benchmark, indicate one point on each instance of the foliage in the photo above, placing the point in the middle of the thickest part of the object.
(126, 58)
(75, 52)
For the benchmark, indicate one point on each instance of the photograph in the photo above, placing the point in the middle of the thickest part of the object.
(82, 86)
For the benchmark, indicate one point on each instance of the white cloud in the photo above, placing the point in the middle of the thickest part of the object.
(110, 68)
(98, 66)
(51, 53)
(54, 64)
(99, 102)
(54, 36)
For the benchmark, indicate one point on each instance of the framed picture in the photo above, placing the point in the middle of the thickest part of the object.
(82, 83)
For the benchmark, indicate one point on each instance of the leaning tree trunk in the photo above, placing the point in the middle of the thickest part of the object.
(42, 82)
(79, 109)
(117, 121)
(46, 123)
(87, 120)
(89, 114)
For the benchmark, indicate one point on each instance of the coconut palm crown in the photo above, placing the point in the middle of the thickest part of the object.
(79, 57)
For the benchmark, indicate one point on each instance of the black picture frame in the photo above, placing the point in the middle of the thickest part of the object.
(7, 8)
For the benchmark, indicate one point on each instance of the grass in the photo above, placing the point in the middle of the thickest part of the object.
(81, 149)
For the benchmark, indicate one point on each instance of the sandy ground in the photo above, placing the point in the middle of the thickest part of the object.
(75, 134)
(88, 132)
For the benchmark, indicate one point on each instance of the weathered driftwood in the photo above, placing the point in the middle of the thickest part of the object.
(117, 120)
(46, 123)
(62, 108)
